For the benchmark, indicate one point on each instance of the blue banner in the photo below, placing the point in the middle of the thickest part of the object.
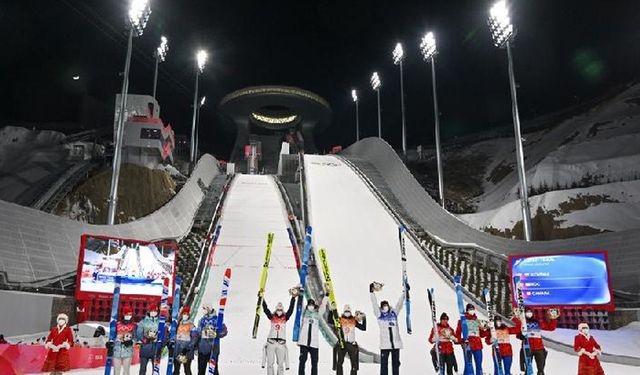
(569, 279)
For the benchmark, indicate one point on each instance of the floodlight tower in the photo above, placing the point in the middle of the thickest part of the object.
(354, 97)
(160, 55)
(202, 101)
(201, 61)
(503, 33)
(398, 57)
(376, 84)
(429, 51)
(139, 12)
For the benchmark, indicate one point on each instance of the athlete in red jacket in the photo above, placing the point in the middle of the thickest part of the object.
(446, 338)
(477, 330)
(505, 352)
(536, 344)
(588, 351)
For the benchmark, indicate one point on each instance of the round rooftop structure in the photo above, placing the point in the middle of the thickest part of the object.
(276, 108)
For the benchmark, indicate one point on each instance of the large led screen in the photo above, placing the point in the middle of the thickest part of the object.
(143, 266)
(563, 279)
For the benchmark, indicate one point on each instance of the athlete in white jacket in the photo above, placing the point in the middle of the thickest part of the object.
(390, 341)
(309, 332)
(275, 350)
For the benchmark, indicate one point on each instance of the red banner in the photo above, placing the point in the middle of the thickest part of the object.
(28, 359)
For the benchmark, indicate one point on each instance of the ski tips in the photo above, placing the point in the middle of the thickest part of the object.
(308, 230)
(457, 279)
(227, 273)
(516, 279)
(485, 290)
(178, 280)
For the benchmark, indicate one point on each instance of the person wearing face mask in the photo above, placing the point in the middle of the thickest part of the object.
(123, 346)
(390, 341)
(146, 334)
(275, 350)
(477, 331)
(505, 351)
(536, 344)
(206, 335)
(446, 338)
(58, 343)
(349, 324)
(588, 351)
(186, 337)
(309, 329)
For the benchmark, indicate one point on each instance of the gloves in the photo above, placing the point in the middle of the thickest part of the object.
(48, 345)
(184, 351)
(295, 291)
(127, 343)
(171, 344)
(65, 345)
(371, 288)
(109, 345)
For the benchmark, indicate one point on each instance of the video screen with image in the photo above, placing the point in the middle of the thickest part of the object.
(563, 279)
(143, 266)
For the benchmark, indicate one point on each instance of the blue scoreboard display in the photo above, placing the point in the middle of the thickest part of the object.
(571, 279)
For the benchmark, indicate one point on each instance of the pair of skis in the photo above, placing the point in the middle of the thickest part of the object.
(436, 334)
(306, 253)
(113, 323)
(405, 278)
(164, 303)
(468, 367)
(213, 360)
(175, 311)
(263, 283)
(523, 319)
(332, 297)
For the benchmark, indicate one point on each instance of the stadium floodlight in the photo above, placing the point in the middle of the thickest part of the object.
(204, 99)
(139, 12)
(160, 55)
(398, 58)
(502, 30)
(429, 50)
(201, 62)
(503, 33)
(354, 98)
(200, 105)
(376, 84)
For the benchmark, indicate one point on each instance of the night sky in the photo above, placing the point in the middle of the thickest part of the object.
(566, 52)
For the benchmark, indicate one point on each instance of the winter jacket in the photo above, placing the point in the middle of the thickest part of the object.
(148, 345)
(349, 326)
(388, 323)
(204, 342)
(502, 336)
(309, 329)
(476, 332)
(125, 332)
(58, 360)
(587, 344)
(186, 338)
(534, 329)
(278, 330)
(446, 336)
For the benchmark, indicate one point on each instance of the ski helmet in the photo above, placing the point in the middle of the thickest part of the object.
(311, 302)
(153, 307)
(347, 308)
(470, 306)
(444, 316)
(127, 311)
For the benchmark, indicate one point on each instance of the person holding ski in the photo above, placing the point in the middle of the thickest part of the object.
(505, 351)
(146, 335)
(536, 344)
(58, 343)
(186, 337)
(275, 349)
(477, 330)
(206, 334)
(446, 339)
(309, 330)
(390, 341)
(123, 346)
(588, 351)
(349, 323)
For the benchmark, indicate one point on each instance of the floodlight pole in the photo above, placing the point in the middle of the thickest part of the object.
(198, 127)
(155, 76)
(524, 195)
(357, 122)
(115, 174)
(379, 114)
(404, 125)
(193, 124)
(436, 116)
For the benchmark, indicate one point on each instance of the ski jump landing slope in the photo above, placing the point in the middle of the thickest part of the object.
(252, 209)
(361, 239)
